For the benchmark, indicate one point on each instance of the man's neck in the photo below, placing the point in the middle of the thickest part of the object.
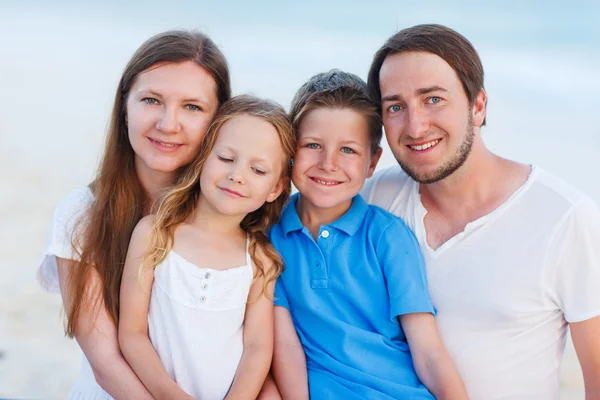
(481, 185)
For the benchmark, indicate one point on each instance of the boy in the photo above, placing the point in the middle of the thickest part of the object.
(353, 317)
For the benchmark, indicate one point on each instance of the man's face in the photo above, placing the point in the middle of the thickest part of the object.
(426, 114)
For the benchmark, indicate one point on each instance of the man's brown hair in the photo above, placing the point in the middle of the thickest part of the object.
(442, 41)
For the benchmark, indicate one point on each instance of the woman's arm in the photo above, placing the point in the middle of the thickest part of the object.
(431, 359)
(258, 340)
(289, 361)
(133, 322)
(96, 334)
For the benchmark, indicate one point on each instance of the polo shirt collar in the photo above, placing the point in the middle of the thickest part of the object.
(349, 223)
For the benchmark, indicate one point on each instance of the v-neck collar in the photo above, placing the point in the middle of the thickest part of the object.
(420, 213)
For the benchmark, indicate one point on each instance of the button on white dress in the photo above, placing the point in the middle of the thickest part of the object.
(196, 323)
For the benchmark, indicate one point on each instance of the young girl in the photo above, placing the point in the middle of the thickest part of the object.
(196, 295)
(166, 99)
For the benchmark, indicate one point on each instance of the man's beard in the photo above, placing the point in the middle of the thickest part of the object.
(447, 168)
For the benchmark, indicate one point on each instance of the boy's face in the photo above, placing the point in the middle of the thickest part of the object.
(333, 157)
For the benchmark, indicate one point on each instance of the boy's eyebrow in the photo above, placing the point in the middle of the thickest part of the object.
(418, 92)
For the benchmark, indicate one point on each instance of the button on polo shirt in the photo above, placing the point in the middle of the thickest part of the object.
(344, 292)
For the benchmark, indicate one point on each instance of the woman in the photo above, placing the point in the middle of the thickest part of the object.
(165, 102)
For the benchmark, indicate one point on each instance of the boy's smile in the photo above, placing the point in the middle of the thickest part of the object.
(333, 158)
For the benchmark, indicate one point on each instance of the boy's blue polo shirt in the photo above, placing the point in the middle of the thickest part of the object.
(344, 293)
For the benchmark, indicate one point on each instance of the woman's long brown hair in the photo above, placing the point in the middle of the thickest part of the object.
(179, 202)
(118, 195)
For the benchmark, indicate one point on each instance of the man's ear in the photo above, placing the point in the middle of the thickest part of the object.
(374, 160)
(478, 110)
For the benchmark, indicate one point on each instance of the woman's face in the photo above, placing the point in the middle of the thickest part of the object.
(169, 109)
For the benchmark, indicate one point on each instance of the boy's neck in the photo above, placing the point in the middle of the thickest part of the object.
(313, 217)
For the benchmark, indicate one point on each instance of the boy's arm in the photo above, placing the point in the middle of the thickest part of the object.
(431, 359)
(133, 322)
(289, 363)
(258, 340)
(96, 334)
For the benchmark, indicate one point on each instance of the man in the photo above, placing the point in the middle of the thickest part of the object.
(512, 253)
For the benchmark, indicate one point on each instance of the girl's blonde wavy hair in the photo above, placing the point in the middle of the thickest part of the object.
(179, 202)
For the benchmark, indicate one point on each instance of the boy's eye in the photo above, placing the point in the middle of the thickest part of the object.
(193, 107)
(313, 146)
(258, 171)
(394, 109)
(150, 100)
(347, 150)
(434, 100)
(225, 159)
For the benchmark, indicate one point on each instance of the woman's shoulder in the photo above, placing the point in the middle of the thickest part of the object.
(75, 202)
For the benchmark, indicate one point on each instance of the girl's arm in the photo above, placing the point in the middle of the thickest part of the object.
(289, 362)
(431, 359)
(96, 334)
(133, 320)
(258, 340)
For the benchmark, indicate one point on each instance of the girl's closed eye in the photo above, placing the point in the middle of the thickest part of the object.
(259, 171)
(225, 159)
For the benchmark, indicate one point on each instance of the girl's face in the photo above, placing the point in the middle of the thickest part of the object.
(244, 168)
(169, 109)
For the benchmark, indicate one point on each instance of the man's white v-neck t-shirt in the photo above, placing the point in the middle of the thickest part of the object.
(506, 287)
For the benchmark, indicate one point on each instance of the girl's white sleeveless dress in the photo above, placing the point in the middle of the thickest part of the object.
(195, 319)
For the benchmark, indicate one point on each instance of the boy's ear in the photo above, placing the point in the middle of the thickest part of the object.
(277, 189)
(374, 160)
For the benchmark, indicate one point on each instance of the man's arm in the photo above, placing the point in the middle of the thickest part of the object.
(289, 361)
(586, 338)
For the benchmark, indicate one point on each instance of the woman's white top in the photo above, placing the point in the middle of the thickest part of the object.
(58, 244)
(196, 315)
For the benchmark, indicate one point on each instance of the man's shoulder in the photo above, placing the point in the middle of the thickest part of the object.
(553, 190)
(386, 186)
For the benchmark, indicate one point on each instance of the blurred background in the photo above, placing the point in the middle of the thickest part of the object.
(60, 63)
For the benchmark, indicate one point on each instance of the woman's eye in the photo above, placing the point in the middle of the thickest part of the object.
(395, 108)
(347, 150)
(150, 100)
(193, 107)
(224, 159)
(313, 146)
(258, 171)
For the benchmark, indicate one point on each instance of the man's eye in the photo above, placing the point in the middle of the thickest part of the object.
(313, 146)
(225, 159)
(395, 108)
(434, 100)
(150, 100)
(347, 150)
(193, 107)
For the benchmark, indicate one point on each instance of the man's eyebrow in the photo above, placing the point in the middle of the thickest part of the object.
(418, 92)
(430, 89)
(391, 97)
